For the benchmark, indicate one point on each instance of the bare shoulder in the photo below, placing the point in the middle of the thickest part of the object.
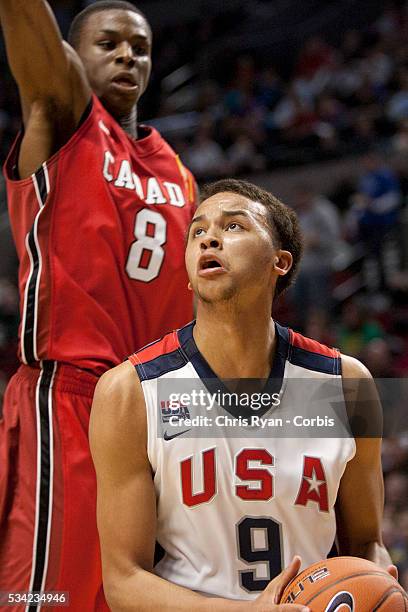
(118, 408)
(362, 401)
(353, 368)
(117, 381)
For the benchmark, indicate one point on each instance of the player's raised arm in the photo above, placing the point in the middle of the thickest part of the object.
(53, 87)
(360, 500)
(42, 64)
(126, 510)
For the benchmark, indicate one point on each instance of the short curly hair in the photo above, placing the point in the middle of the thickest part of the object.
(282, 221)
(74, 34)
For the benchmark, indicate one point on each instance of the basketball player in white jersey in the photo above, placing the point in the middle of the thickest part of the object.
(230, 512)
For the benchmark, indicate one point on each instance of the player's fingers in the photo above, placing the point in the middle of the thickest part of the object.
(279, 583)
(393, 570)
(292, 608)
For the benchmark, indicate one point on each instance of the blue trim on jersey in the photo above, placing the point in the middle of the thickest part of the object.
(314, 361)
(284, 351)
(204, 370)
(188, 345)
(161, 365)
(215, 385)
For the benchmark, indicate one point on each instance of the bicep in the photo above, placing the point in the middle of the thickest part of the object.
(126, 504)
(126, 517)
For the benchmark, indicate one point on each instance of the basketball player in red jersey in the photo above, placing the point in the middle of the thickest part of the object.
(99, 206)
(205, 499)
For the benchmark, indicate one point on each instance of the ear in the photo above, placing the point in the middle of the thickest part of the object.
(189, 287)
(283, 261)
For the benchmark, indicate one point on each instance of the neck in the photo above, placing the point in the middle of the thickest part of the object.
(236, 343)
(129, 123)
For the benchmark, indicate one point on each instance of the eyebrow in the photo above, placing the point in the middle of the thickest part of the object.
(106, 31)
(225, 213)
(115, 33)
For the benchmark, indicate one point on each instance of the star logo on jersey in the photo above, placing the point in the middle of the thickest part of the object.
(314, 483)
(168, 437)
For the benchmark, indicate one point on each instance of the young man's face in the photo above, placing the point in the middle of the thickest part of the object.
(115, 48)
(230, 252)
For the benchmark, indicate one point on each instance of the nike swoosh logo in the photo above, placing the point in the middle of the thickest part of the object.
(179, 433)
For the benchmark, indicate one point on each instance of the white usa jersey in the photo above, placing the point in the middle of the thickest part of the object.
(234, 504)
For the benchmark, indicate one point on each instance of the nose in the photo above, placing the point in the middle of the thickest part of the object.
(210, 241)
(125, 54)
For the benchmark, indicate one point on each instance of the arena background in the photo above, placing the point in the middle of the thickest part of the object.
(309, 100)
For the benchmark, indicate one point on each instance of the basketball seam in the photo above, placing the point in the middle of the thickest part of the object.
(341, 580)
(391, 590)
(305, 574)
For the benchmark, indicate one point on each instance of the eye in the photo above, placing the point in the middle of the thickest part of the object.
(109, 45)
(138, 50)
(234, 227)
(199, 231)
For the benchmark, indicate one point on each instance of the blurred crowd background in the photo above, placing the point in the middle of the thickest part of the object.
(309, 100)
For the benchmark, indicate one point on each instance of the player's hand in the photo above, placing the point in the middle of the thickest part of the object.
(393, 571)
(269, 598)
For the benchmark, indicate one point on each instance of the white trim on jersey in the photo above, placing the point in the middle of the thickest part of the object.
(38, 486)
(23, 322)
(47, 178)
(35, 273)
(45, 454)
(51, 488)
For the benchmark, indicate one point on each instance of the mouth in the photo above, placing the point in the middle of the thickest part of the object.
(210, 266)
(125, 80)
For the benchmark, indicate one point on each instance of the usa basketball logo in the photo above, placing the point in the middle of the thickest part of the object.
(170, 409)
(341, 602)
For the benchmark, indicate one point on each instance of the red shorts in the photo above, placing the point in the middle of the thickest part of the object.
(48, 534)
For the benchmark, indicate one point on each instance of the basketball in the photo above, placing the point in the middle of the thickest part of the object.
(346, 584)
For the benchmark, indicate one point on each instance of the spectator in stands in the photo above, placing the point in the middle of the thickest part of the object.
(378, 358)
(395, 450)
(205, 157)
(377, 66)
(396, 491)
(357, 327)
(269, 88)
(397, 107)
(320, 225)
(315, 56)
(364, 133)
(375, 209)
(352, 45)
(240, 96)
(319, 326)
(244, 157)
(400, 138)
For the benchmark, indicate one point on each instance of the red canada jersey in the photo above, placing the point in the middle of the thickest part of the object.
(100, 231)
